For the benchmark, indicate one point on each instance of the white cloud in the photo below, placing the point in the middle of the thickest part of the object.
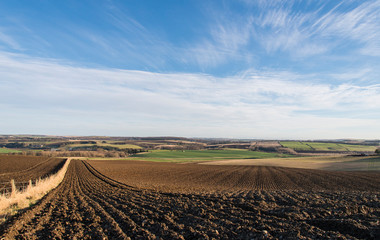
(259, 104)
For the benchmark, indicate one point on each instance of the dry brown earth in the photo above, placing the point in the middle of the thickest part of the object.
(15, 163)
(186, 178)
(89, 204)
(25, 168)
(329, 162)
(268, 144)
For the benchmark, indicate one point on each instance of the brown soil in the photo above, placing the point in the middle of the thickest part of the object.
(187, 178)
(331, 162)
(15, 163)
(25, 168)
(267, 144)
(90, 205)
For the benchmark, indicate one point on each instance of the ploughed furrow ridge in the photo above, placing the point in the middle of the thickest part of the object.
(90, 205)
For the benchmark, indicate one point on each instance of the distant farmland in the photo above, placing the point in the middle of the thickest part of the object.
(105, 144)
(204, 155)
(322, 146)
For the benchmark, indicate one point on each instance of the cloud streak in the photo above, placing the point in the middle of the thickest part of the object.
(8, 40)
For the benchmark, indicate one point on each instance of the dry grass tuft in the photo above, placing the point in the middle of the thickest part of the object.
(10, 204)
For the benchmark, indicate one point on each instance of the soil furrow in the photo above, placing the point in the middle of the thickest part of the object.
(89, 204)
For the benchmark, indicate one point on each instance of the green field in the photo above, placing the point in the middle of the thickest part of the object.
(321, 146)
(203, 155)
(7, 150)
(301, 146)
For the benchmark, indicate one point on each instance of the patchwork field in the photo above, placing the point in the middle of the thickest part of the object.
(321, 146)
(141, 200)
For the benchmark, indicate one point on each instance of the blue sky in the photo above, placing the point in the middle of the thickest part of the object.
(238, 69)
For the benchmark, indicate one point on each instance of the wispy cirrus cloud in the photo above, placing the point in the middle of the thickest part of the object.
(228, 41)
(225, 41)
(112, 37)
(360, 24)
(321, 30)
(287, 28)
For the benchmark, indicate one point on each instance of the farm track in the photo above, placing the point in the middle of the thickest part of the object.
(88, 204)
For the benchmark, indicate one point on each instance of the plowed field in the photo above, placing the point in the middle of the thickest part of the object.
(25, 168)
(187, 178)
(88, 204)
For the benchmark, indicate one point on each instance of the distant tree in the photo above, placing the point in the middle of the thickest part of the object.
(15, 145)
(377, 151)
